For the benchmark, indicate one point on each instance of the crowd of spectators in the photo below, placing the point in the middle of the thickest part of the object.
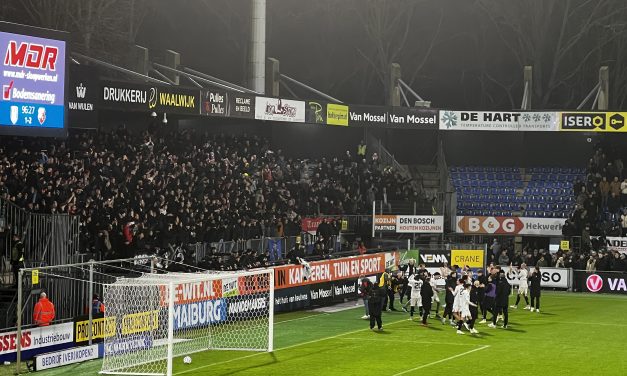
(594, 259)
(136, 192)
(600, 199)
(600, 212)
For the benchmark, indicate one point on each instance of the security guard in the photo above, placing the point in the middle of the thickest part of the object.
(17, 257)
(44, 311)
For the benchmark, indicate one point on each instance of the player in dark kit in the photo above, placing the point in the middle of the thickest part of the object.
(395, 285)
(451, 283)
(503, 289)
(375, 306)
(426, 294)
(534, 289)
(480, 289)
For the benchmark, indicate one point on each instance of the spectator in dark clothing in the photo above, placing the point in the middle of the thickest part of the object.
(534, 289)
(375, 306)
(426, 294)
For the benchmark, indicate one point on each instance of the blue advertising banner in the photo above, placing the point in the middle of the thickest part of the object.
(32, 80)
(276, 249)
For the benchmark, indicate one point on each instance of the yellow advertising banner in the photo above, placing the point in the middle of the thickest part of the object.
(470, 257)
(140, 322)
(593, 121)
(101, 328)
(565, 245)
(337, 114)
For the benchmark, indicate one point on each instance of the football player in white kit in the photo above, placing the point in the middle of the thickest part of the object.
(433, 281)
(415, 283)
(523, 284)
(464, 306)
(457, 305)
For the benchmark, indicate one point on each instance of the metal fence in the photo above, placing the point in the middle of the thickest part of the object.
(262, 245)
(49, 239)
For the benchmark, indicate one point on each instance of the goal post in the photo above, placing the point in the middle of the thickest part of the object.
(153, 319)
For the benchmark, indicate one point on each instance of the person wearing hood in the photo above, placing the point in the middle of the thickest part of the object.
(501, 301)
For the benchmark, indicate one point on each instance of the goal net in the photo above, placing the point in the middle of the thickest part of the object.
(155, 318)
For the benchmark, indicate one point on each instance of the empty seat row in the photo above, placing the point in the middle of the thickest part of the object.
(486, 191)
(555, 170)
(485, 176)
(489, 184)
(555, 177)
(548, 191)
(485, 169)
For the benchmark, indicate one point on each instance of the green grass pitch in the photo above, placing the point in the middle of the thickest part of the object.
(576, 334)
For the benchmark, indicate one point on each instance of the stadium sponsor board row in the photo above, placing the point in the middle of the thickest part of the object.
(173, 99)
(409, 223)
(333, 270)
(600, 282)
(510, 225)
(36, 340)
(319, 294)
(69, 356)
(498, 121)
(435, 258)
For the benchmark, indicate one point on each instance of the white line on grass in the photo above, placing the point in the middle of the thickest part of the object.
(301, 318)
(282, 348)
(588, 323)
(401, 341)
(441, 360)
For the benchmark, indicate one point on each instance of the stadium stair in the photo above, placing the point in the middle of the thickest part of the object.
(7, 295)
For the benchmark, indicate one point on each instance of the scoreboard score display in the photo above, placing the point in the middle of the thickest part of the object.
(32, 81)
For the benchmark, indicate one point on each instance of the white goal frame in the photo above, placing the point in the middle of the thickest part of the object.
(169, 282)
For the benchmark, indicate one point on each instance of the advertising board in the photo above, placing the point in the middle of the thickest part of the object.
(32, 81)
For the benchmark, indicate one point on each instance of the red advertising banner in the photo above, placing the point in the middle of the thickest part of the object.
(333, 270)
(310, 224)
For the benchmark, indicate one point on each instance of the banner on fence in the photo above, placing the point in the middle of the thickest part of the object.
(412, 224)
(310, 224)
(41, 339)
(101, 328)
(602, 282)
(333, 270)
(510, 225)
(612, 243)
(275, 247)
(551, 277)
(498, 121)
(69, 356)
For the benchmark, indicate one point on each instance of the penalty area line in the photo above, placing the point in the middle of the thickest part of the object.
(442, 360)
(281, 349)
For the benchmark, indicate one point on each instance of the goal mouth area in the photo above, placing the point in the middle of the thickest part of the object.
(158, 317)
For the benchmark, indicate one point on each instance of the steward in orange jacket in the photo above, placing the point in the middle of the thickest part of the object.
(44, 311)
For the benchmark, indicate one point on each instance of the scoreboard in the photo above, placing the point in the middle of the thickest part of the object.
(32, 81)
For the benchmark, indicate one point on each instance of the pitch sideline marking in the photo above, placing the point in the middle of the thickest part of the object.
(282, 348)
(301, 318)
(441, 360)
(400, 341)
(589, 323)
